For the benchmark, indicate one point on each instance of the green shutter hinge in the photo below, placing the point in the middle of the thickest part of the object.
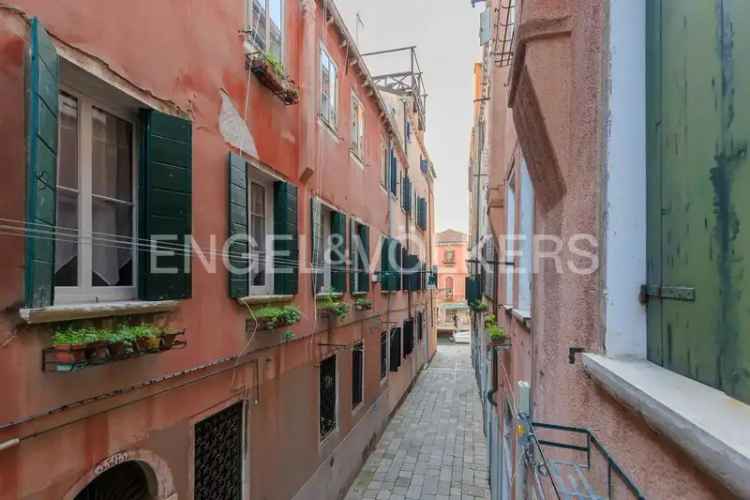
(681, 293)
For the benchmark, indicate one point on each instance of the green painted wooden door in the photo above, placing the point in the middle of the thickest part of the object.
(698, 128)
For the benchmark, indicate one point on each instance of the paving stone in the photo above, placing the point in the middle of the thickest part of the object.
(433, 448)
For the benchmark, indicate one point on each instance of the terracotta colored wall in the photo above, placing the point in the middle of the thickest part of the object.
(558, 116)
(457, 271)
(181, 55)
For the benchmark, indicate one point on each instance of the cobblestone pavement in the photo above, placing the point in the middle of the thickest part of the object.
(434, 447)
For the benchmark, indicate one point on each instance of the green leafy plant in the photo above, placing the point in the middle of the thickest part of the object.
(495, 333)
(363, 304)
(270, 318)
(278, 66)
(329, 305)
(490, 320)
(76, 336)
(287, 336)
(478, 306)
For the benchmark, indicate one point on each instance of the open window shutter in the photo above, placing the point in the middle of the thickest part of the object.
(353, 256)
(286, 243)
(338, 249)
(42, 68)
(364, 270)
(239, 285)
(399, 271)
(166, 205)
(385, 282)
(394, 173)
(315, 224)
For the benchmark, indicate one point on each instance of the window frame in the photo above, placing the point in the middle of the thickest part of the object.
(384, 360)
(324, 437)
(85, 291)
(510, 231)
(356, 407)
(331, 117)
(256, 176)
(526, 231)
(251, 30)
(358, 128)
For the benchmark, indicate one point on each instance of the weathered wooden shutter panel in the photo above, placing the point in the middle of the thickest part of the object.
(286, 243)
(166, 204)
(338, 248)
(353, 256)
(42, 84)
(698, 173)
(239, 281)
(394, 173)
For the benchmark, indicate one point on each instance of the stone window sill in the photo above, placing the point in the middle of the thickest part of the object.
(522, 317)
(323, 296)
(71, 312)
(264, 299)
(360, 294)
(702, 420)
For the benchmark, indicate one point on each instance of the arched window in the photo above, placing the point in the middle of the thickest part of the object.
(127, 481)
(449, 287)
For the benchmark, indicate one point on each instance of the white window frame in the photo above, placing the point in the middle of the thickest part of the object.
(325, 232)
(256, 176)
(329, 116)
(384, 378)
(526, 257)
(358, 128)
(85, 292)
(510, 231)
(267, 34)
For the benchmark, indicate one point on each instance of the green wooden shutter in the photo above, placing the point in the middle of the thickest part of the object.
(353, 256)
(42, 77)
(239, 282)
(473, 289)
(698, 170)
(166, 205)
(388, 276)
(315, 244)
(364, 269)
(338, 248)
(286, 243)
(394, 173)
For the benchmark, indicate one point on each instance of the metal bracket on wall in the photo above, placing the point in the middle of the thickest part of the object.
(681, 293)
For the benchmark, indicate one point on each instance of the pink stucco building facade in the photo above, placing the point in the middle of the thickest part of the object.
(564, 106)
(221, 119)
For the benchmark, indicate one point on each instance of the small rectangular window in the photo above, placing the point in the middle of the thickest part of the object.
(261, 229)
(266, 27)
(395, 349)
(358, 374)
(525, 266)
(509, 242)
(358, 128)
(219, 445)
(327, 397)
(328, 89)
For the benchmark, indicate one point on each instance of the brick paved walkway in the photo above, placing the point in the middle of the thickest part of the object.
(434, 448)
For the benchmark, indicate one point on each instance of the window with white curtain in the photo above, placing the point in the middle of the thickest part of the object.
(260, 202)
(266, 23)
(328, 88)
(96, 199)
(526, 257)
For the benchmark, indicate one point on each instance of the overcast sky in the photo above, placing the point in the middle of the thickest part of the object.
(446, 35)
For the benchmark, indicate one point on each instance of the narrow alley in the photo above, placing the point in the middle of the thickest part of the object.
(433, 448)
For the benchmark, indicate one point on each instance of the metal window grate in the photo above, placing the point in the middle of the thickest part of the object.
(420, 326)
(505, 30)
(408, 337)
(395, 349)
(358, 366)
(327, 396)
(383, 355)
(218, 455)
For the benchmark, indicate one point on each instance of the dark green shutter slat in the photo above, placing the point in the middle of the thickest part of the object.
(338, 248)
(394, 173)
(166, 203)
(42, 77)
(353, 256)
(239, 285)
(473, 290)
(286, 244)
(315, 222)
(364, 273)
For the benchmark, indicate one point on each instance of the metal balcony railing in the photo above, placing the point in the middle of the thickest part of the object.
(569, 463)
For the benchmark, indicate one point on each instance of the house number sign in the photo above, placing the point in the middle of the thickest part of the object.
(113, 461)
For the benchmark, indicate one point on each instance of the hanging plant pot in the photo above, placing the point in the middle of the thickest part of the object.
(272, 75)
(148, 344)
(119, 350)
(66, 357)
(167, 341)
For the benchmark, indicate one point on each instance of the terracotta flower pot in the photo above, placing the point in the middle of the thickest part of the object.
(97, 353)
(167, 341)
(68, 356)
(118, 350)
(148, 344)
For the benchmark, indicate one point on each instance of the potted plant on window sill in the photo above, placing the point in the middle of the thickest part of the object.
(495, 334)
(69, 349)
(363, 304)
(270, 318)
(271, 73)
(332, 308)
